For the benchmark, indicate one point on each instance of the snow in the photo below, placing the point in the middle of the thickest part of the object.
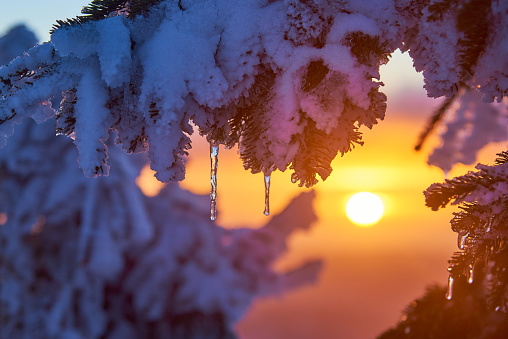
(471, 125)
(114, 51)
(156, 71)
(349, 23)
(92, 121)
(102, 240)
(89, 235)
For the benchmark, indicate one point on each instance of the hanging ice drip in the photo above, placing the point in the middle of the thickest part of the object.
(470, 273)
(488, 225)
(461, 239)
(214, 162)
(267, 175)
(449, 291)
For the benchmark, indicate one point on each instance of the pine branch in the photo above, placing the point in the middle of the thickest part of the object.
(24, 76)
(246, 121)
(96, 10)
(65, 120)
(129, 123)
(28, 69)
(436, 118)
(248, 115)
(9, 117)
(473, 21)
(482, 231)
(139, 7)
(315, 73)
(318, 149)
(368, 50)
(498, 296)
(502, 158)
(481, 226)
(468, 218)
(314, 157)
(101, 9)
(439, 195)
(254, 156)
(465, 316)
(437, 9)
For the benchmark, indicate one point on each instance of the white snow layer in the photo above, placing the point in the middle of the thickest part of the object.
(74, 245)
(199, 59)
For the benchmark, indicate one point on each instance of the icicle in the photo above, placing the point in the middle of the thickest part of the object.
(501, 308)
(461, 240)
(470, 274)
(214, 161)
(449, 291)
(267, 193)
(446, 174)
(489, 223)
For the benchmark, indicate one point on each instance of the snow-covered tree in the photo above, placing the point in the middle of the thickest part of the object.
(470, 125)
(95, 258)
(467, 316)
(477, 290)
(289, 81)
(481, 225)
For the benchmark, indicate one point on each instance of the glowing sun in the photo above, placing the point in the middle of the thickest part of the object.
(364, 208)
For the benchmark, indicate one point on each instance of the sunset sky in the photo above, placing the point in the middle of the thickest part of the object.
(370, 273)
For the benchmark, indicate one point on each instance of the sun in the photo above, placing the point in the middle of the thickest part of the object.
(364, 209)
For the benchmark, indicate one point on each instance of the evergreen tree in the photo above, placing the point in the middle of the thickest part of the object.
(465, 316)
(95, 258)
(477, 289)
(289, 82)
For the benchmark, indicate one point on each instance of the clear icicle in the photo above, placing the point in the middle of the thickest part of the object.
(449, 291)
(470, 273)
(267, 194)
(214, 161)
(489, 223)
(461, 240)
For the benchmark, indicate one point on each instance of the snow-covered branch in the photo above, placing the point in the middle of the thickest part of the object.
(95, 258)
(290, 82)
(481, 227)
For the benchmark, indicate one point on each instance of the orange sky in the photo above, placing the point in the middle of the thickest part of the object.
(370, 274)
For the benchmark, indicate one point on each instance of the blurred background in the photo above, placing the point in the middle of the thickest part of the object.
(370, 273)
